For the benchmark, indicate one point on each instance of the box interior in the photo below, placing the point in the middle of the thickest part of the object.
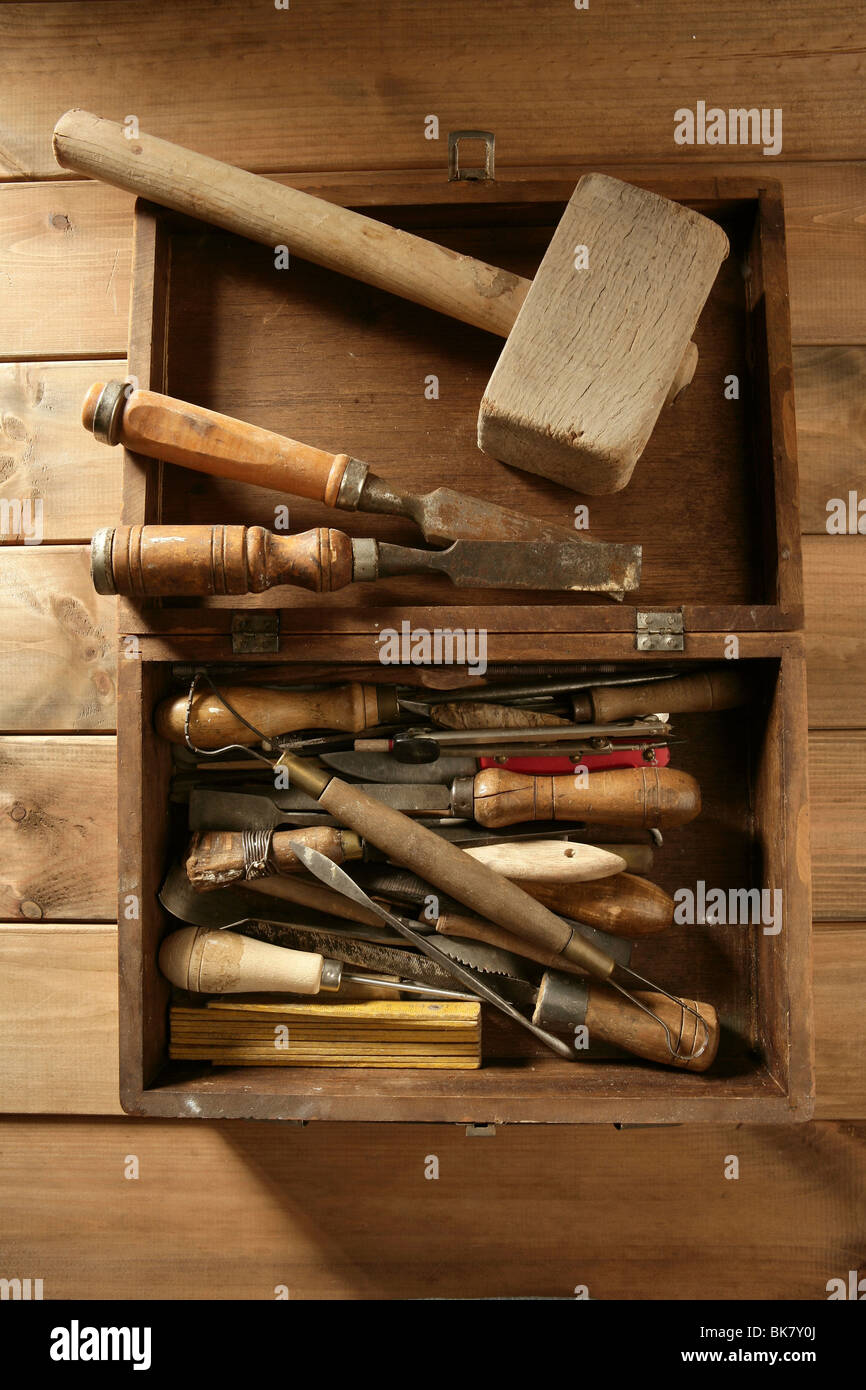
(739, 969)
(337, 364)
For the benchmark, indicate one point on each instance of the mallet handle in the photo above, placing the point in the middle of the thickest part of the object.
(318, 231)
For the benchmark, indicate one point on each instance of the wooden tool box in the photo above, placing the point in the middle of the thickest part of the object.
(713, 501)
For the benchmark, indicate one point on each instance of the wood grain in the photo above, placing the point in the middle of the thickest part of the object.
(64, 271)
(837, 785)
(202, 74)
(840, 1019)
(686, 1233)
(57, 829)
(834, 573)
(58, 1001)
(831, 429)
(46, 455)
(57, 657)
(65, 251)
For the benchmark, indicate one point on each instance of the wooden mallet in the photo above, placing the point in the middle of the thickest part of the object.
(597, 342)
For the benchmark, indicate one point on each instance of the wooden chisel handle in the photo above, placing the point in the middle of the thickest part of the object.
(178, 432)
(348, 708)
(224, 962)
(623, 904)
(197, 561)
(217, 857)
(563, 1004)
(276, 215)
(694, 693)
(630, 796)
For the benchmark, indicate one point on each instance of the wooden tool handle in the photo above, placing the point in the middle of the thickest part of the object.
(350, 708)
(277, 215)
(196, 561)
(447, 867)
(630, 796)
(217, 857)
(623, 904)
(164, 428)
(614, 1019)
(548, 861)
(702, 690)
(223, 962)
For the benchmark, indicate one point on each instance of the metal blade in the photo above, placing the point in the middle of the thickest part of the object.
(332, 875)
(241, 811)
(382, 767)
(446, 515)
(521, 565)
(490, 960)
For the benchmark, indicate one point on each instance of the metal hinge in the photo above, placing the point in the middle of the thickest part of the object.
(659, 631)
(477, 172)
(253, 633)
(480, 1131)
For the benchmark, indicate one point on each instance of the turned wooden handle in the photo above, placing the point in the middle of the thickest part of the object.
(548, 861)
(349, 708)
(700, 691)
(623, 905)
(223, 962)
(197, 561)
(164, 428)
(216, 857)
(313, 229)
(630, 796)
(613, 1018)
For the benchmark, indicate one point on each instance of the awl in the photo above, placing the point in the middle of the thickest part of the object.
(162, 427)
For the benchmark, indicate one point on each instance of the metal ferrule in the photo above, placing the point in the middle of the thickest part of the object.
(562, 1001)
(365, 559)
(101, 571)
(312, 780)
(109, 412)
(352, 485)
(463, 797)
(332, 974)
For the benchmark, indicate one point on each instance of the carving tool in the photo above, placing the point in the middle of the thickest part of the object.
(224, 962)
(651, 1024)
(384, 767)
(637, 798)
(198, 561)
(623, 905)
(178, 432)
(593, 351)
(696, 692)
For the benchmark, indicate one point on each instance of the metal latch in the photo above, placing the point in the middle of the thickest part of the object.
(477, 172)
(660, 631)
(253, 633)
(480, 1131)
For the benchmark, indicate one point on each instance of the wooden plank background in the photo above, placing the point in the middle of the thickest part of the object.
(596, 87)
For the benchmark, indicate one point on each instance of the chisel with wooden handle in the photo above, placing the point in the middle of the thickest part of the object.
(199, 561)
(697, 692)
(178, 432)
(224, 962)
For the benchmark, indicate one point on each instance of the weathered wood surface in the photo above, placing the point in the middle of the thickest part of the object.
(128, 1197)
(58, 829)
(834, 577)
(837, 788)
(65, 254)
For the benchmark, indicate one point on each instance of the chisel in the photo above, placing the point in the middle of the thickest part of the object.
(694, 692)
(199, 561)
(178, 432)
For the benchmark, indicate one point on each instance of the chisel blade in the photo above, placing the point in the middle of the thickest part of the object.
(554, 565)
